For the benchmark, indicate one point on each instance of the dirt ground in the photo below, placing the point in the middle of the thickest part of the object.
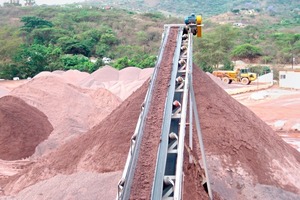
(279, 109)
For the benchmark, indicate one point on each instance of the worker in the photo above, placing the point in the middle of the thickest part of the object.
(176, 107)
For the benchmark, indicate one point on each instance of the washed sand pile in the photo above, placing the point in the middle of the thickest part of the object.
(74, 76)
(8, 85)
(80, 185)
(3, 91)
(122, 83)
(70, 76)
(102, 149)
(22, 128)
(70, 109)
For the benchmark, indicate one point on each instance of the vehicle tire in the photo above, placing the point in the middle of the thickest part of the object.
(230, 81)
(249, 82)
(226, 80)
(245, 81)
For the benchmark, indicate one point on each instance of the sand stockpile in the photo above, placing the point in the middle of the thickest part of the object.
(122, 83)
(8, 85)
(102, 149)
(22, 128)
(74, 76)
(246, 158)
(70, 76)
(3, 91)
(70, 109)
(81, 185)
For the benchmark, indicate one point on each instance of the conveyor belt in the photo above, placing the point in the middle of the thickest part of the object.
(154, 167)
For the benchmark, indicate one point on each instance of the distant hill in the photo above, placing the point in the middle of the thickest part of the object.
(207, 7)
(130, 33)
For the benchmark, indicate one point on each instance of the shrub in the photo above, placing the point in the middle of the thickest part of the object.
(246, 51)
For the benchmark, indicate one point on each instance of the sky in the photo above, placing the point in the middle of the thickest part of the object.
(49, 2)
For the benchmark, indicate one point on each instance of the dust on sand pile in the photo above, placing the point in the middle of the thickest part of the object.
(22, 128)
(246, 158)
(70, 109)
(102, 149)
(122, 83)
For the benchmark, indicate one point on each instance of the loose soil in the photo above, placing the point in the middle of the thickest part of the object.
(242, 150)
(22, 128)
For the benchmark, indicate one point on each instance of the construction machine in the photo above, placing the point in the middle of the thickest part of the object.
(194, 23)
(243, 76)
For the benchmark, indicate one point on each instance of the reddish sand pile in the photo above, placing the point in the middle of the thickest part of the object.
(22, 128)
(70, 109)
(103, 149)
(246, 157)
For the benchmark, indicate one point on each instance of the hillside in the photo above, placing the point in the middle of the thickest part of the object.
(79, 36)
(206, 7)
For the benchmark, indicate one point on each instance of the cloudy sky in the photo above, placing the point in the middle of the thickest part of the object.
(49, 2)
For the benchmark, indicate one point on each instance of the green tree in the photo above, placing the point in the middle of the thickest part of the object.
(72, 45)
(46, 36)
(214, 47)
(30, 60)
(246, 51)
(102, 50)
(8, 71)
(78, 62)
(121, 63)
(147, 62)
(9, 42)
(33, 22)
